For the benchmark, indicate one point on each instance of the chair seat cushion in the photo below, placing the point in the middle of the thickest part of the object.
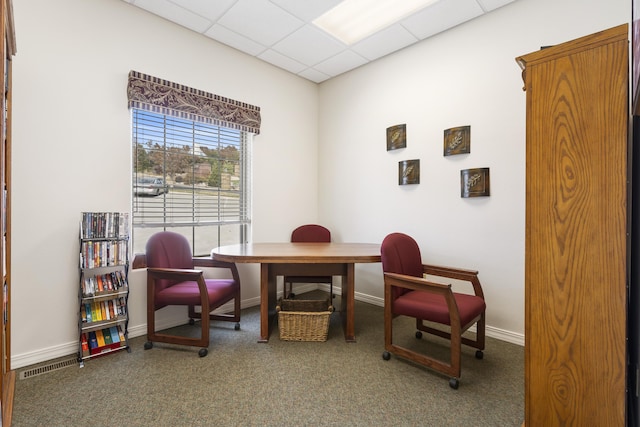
(433, 307)
(187, 293)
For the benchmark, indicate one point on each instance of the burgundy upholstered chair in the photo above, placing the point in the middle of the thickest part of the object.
(172, 280)
(311, 233)
(408, 292)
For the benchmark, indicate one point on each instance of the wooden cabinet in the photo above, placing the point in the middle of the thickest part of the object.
(576, 231)
(7, 376)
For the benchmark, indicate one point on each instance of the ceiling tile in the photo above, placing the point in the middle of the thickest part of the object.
(281, 61)
(235, 40)
(305, 9)
(385, 42)
(260, 20)
(441, 16)
(212, 10)
(309, 45)
(314, 75)
(175, 13)
(340, 63)
(489, 5)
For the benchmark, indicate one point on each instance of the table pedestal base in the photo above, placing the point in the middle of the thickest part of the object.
(269, 273)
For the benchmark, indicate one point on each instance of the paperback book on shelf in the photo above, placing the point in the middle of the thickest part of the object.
(109, 225)
(85, 345)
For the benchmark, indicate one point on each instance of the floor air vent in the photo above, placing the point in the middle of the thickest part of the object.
(39, 370)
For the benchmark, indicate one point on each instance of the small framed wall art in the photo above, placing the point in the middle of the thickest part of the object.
(396, 137)
(457, 140)
(474, 182)
(409, 172)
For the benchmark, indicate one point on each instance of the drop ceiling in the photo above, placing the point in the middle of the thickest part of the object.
(281, 32)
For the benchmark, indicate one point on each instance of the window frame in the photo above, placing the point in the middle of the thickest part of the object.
(224, 226)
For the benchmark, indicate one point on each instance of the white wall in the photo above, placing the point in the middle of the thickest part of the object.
(72, 145)
(466, 76)
(321, 145)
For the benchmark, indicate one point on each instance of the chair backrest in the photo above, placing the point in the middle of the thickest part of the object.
(167, 249)
(401, 254)
(311, 233)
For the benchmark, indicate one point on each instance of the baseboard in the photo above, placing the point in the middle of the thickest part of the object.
(43, 355)
(504, 335)
(54, 352)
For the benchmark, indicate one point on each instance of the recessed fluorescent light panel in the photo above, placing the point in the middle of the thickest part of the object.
(352, 20)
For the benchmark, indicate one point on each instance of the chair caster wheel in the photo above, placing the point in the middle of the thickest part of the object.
(148, 345)
(236, 326)
(479, 354)
(418, 334)
(192, 322)
(454, 383)
(203, 352)
(386, 355)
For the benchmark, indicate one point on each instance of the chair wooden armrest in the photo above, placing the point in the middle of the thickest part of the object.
(212, 263)
(174, 273)
(415, 283)
(139, 261)
(470, 276)
(451, 272)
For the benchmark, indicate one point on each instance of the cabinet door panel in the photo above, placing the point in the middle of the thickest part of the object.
(576, 233)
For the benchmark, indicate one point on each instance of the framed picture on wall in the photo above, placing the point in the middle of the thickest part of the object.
(457, 140)
(474, 182)
(409, 172)
(396, 137)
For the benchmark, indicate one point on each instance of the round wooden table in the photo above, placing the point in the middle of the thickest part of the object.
(300, 259)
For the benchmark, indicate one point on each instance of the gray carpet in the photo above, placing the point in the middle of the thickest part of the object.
(284, 383)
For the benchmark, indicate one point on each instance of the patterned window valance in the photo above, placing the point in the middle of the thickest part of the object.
(161, 96)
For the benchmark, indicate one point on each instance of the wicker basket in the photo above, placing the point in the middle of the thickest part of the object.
(303, 320)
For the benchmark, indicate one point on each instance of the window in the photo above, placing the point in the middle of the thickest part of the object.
(191, 163)
(191, 178)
